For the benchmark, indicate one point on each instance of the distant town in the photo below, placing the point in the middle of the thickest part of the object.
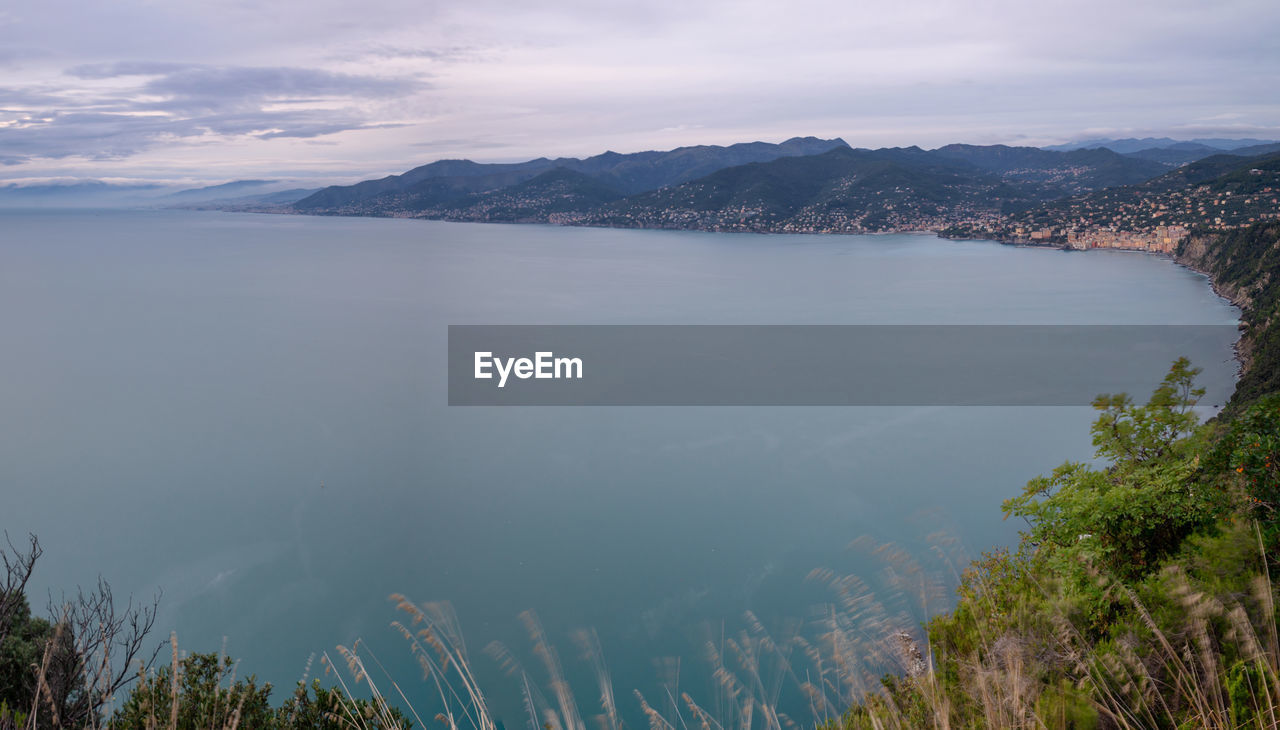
(1133, 197)
(1083, 198)
(1144, 219)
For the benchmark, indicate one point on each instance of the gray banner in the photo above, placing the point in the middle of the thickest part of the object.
(867, 365)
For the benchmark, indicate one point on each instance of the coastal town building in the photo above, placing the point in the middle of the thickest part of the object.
(1162, 239)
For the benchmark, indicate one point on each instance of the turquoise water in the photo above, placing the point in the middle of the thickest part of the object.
(248, 413)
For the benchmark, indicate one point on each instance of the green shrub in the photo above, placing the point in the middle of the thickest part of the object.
(1128, 516)
(1249, 454)
(205, 695)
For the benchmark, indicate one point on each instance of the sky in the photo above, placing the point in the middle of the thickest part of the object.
(340, 90)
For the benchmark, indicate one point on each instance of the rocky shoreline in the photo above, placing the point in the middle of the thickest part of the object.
(1192, 256)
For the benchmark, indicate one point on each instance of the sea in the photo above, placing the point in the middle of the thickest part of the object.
(247, 417)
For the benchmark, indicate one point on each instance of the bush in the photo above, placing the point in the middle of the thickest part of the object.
(1126, 518)
(20, 649)
(207, 696)
(197, 699)
(1249, 454)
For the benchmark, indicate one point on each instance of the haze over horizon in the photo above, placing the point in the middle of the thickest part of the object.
(327, 91)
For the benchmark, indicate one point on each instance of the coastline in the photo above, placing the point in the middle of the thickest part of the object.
(1241, 349)
(1244, 345)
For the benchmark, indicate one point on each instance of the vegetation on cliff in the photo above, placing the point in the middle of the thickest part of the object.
(1139, 597)
(1244, 265)
(1141, 594)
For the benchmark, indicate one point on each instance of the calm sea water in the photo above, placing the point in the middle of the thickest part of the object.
(248, 413)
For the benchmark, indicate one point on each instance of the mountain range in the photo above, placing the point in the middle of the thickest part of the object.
(690, 186)
(801, 184)
(1130, 145)
(448, 182)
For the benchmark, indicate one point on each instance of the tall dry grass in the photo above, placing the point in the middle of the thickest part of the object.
(1212, 663)
(815, 667)
(1215, 664)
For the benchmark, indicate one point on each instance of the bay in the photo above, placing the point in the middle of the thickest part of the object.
(248, 413)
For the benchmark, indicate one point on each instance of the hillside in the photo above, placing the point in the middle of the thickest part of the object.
(1061, 173)
(553, 193)
(1244, 265)
(803, 184)
(842, 190)
(1174, 153)
(441, 185)
(1131, 144)
(856, 190)
(1220, 192)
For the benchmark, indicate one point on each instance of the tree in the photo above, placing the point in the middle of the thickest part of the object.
(22, 636)
(93, 653)
(62, 672)
(18, 567)
(1127, 517)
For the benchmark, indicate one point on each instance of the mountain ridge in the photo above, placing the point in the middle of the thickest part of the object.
(444, 182)
(840, 188)
(1132, 144)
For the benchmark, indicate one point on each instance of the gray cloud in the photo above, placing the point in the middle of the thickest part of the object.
(318, 130)
(185, 101)
(461, 143)
(126, 68)
(109, 136)
(392, 51)
(273, 83)
(24, 99)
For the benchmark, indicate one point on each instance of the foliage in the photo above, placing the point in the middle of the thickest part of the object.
(1138, 598)
(208, 695)
(1128, 516)
(22, 637)
(198, 691)
(319, 708)
(1062, 705)
(1245, 264)
(21, 649)
(1249, 454)
(63, 671)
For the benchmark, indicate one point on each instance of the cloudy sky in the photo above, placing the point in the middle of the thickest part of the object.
(336, 90)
